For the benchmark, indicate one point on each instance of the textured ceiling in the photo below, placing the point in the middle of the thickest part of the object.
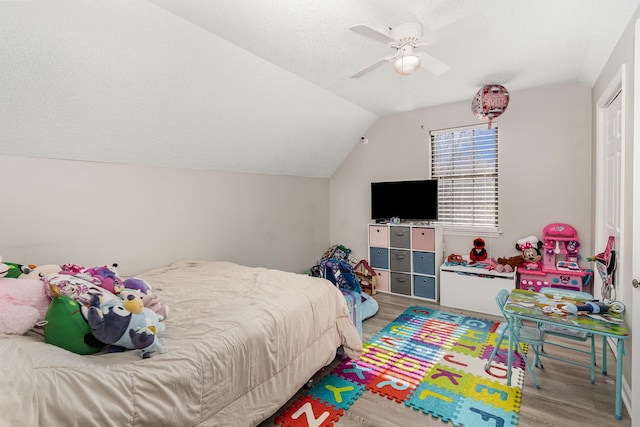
(263, 86)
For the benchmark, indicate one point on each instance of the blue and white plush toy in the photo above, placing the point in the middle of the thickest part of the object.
(126, 324)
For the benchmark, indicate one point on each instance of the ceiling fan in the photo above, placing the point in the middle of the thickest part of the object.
(405, 39)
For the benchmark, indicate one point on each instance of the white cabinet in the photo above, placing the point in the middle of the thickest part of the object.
(473, 288)
(406, 258)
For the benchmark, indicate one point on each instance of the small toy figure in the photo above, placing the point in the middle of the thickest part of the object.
(594, 307)
(455, 259)
(478, 253)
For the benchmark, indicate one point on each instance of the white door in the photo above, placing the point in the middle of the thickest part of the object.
(634, 302)
(614, 203)
(608, 193)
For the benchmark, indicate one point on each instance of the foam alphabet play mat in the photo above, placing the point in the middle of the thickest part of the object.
(425, 360)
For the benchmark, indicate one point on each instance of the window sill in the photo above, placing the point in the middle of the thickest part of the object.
(470, 231)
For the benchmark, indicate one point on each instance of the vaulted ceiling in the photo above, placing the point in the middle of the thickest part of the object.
(265, 86)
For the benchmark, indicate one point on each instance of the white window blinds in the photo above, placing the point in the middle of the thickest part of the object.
(465, 163)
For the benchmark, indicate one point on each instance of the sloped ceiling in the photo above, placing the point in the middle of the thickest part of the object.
(263, 86)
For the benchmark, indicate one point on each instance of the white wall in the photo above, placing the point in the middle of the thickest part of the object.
(58, 211)
(545, 166)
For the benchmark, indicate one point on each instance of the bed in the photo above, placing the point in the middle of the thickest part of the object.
(241, 341)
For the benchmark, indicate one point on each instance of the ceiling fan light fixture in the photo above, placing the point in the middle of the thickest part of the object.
(406, 65)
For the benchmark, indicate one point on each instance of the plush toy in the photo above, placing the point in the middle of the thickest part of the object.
(149, 300)
(75, 287)
(594, 307)
(478, 253)
(16, 270)
(104, 276)
(126, 324)
(66, 327)
(23, 303)
(40, 271)
(530, 247)
(135, 284)
(513, 262)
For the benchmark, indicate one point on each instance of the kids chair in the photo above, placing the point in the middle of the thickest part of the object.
(559, 331)
(533, 337)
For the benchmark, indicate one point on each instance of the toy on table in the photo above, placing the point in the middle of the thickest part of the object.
(594, 307)
(530, 247)
(478, 253)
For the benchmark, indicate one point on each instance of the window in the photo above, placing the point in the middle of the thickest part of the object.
(465, 163)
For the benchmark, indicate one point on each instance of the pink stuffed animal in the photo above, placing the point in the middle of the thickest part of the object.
(23, 303)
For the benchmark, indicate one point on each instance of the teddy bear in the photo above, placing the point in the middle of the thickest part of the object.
(530, 247)
(23, 303)
(126, 324)
(507, 265)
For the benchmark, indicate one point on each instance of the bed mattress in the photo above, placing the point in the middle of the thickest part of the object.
(241, 341)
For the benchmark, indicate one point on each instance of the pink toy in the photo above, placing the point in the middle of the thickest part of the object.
(23, 303)
(530, 247)
(104, 276)
(559, 267)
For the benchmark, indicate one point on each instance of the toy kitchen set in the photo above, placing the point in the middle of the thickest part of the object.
(559, 265)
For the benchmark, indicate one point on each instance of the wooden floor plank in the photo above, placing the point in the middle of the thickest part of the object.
(566, 398)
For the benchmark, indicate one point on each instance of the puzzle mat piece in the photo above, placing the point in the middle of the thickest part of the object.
(501, 356)
(391, 386)
(498, 372)
(426, 352)
(437, 401)
(309, 412)
(354, 371)
(336, 391)
(478, 414)
(474, 365)
(493, 393)
(408, 367)
(452, 379)
(420, 311)
(477, 324)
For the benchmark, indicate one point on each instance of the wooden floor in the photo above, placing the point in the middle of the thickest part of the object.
(566, 397)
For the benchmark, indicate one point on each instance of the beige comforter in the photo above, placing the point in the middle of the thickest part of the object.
(241, 342)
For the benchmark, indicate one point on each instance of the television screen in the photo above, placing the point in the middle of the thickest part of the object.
(407, 200)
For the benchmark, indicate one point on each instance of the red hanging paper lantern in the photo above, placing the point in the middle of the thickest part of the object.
(490, 102)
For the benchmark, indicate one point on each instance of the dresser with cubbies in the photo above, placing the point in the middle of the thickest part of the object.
(406, 258)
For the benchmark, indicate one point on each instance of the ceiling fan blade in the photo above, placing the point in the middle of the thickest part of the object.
(432, 65)
(372, 34)
(370, 68)
(460, 27)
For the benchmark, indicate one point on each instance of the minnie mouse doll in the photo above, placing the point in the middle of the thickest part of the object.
(530, 247)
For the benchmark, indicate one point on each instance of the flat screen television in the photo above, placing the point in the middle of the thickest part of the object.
(407, 200)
